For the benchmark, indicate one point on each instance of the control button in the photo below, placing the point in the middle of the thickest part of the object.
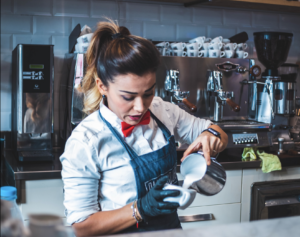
(26, 73)
(27, 77)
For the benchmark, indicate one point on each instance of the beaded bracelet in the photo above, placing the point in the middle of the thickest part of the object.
(134, 213)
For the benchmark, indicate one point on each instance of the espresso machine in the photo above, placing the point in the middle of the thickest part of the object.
(213, 88)
(32, 102)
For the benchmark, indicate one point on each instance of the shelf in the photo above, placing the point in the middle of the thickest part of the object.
(269, 5)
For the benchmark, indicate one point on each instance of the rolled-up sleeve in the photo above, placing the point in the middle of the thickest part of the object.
(187, 127)
(80, 175)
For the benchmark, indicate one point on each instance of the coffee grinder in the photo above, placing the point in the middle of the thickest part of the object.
(32, 102)
(275, 95)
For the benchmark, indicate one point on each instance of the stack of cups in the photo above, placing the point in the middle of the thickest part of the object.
(240, 50)
(163, 48)
(215, 47)
(178, 49)
(202, 43)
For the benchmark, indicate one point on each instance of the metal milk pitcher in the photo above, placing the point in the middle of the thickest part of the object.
(206, 180)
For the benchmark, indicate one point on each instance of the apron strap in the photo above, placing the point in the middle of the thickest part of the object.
(164, 129)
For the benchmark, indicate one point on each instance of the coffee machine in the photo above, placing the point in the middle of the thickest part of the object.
(32, 101)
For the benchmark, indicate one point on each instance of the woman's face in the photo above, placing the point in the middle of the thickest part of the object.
(129, 96)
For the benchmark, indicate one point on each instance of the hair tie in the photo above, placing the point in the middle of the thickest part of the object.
(116, 36)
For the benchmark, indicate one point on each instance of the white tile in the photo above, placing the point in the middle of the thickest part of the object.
(52, 25)
(176, 14)
(104, 8)
(289, 22)
(33, 7)
(156, 31)
(6, 6)
(142, 11)
(31, 39)
(61, 44)
(237, 17)
(135, 27)
(266, 20)
(122, 10)
(226, 32)
(6, 43)
(91, 22)
(210, 16)
(187, 32)
(16, 24)
(76, 8)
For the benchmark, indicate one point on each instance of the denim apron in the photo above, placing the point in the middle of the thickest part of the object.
(148, 168)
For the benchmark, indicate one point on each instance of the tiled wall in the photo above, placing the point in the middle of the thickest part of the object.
(51, 21)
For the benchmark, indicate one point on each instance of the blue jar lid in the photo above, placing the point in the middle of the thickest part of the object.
(8, 193)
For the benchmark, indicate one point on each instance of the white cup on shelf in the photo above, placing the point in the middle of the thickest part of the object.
(192, 53)
(217, 40)
(230, 46)
(242, 46)
(178, 46)
(193, 46)
(241, 54)
(216, 53)
(204, 53)
(179, 53)
(163, 44)
(200, 40)
(215, 46)
(229, 53)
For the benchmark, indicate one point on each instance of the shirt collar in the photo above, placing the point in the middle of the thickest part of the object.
(109, 116)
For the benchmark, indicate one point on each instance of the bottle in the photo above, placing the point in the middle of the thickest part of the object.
(9, 193)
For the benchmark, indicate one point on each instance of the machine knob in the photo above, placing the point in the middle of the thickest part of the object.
(255, 70)
(190, 105)
(233, 105)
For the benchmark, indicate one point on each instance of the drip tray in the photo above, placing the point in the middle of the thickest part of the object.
(242, 124)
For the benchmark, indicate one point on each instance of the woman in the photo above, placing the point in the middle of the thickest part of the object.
(118, 159)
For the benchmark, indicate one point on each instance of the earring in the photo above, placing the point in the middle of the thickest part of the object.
(104, 97)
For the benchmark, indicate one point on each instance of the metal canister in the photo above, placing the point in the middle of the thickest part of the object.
(206, 180)
(284, 97)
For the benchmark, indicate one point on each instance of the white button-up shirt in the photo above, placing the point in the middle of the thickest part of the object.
(96, 169)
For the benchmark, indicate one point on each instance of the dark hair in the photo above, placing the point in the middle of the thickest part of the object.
(110, 55)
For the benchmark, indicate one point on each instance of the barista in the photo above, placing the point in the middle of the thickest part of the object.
(119, 158)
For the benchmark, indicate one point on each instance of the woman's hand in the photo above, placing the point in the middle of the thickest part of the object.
(208, 143)
(152, 203)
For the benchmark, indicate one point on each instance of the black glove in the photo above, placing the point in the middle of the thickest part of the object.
(152, 203)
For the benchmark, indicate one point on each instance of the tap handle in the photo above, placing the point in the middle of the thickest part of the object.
(190, 105)
(233, 105)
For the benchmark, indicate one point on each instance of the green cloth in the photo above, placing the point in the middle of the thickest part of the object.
(269, 162)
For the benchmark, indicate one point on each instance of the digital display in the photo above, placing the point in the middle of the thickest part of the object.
(36, 66)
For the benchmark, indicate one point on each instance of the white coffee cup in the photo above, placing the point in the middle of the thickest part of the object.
(229, 53)
(217, 40)
(179, 53)
(163, 44)
(230, 46)
(225, 41)
(163, 51)
(242, 46)
(241, 54)
(204, 53)
(193, 46)
(185, 198)
(192, 53)
(205, 46)
(85, 38)
(200, 39)
(215, 46)
(216, 53)
(178, 46)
